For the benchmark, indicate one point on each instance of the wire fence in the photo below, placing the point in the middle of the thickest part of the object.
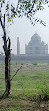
(14, 69)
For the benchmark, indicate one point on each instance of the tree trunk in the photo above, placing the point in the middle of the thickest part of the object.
(7, 68)
(7, 74)
(6, 48)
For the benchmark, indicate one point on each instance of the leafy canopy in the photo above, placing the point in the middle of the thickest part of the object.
(22, 7)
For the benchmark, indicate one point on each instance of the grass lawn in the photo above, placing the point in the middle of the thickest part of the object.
(30, 82)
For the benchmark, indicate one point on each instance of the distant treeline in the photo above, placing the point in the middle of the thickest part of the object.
(26, 58)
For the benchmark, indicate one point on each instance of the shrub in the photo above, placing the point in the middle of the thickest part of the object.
(44, 94)
(35, 64)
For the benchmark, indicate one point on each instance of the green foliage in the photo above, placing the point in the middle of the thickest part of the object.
(24, 7)
(35, 64)
(7, 7)
(44, 94)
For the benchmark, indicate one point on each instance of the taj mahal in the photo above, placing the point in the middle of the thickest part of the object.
(35, 46)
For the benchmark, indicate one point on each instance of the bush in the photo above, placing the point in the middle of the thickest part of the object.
(44, 94)
(35, 64)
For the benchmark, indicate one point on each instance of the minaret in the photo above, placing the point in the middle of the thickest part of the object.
(18, 46)
(25, 48)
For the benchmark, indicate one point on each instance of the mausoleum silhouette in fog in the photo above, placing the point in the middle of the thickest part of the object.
(35, 51)
(35, 46)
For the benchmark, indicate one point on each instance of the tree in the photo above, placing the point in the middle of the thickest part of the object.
(7, 57)
(23, 7)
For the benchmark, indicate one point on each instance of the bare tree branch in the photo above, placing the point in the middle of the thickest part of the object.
(4, 37)
(31, 7)
(2, 26)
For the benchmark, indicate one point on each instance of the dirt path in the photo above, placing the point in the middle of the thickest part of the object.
(20, 89)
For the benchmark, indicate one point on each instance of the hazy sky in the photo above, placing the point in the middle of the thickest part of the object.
(23, 29)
